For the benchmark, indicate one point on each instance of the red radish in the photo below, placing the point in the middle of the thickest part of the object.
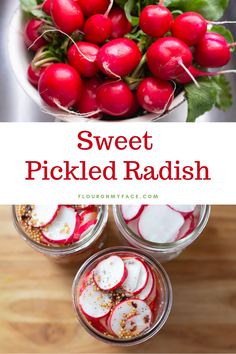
(82, 56)
(97, 29)
(212, 51)
(92, 7)
(62, 229)
(137, 276)
(67, 15)
(94, 303)
(46, 7)
(167, 58)
(132, 316)
(145, 293)
(88, 100)
(190, 27)
(185, 210)
(33, 30)
(187, 228)
(120, 98)
(86, 228)
(133, 109)
(119, 57)
(34, 74)
(120, 24)
(110, 273)
(43, 215)
(155, 20)
(160, 224)
(155, 95)
(131, 212)
(87, 221)
(60, 85)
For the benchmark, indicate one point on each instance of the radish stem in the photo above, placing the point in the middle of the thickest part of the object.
(189, 73)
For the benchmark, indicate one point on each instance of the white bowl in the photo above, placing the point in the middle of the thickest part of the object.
(20, 58)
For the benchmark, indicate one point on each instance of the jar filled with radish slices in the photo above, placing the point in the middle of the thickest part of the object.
(162, 230)
(122, 296)
(63, 232)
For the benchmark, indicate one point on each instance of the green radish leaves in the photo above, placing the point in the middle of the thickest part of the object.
(214, 91)
(225, 33)
(31, 8)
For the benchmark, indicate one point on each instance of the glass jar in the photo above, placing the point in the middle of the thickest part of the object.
(75, 252)
(163, 252)
(162, 298)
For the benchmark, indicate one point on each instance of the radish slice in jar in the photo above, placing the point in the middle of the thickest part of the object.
(183, 209)
(94, 303)
(131, 212)
(43, 215)
(144, 294)
(110, 273)
(187, 228)
(137, 276)
(62, 229)
(88, 219)
(160, 224)
(130, 317)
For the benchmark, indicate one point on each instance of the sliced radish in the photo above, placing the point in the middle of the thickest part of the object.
(110, 273)
(94, 303)
(130, 317)
(153, 295)
(62, 229)
(144, 294)
(183, 209)
(131, 212)
(137, 276)
(43, 215)
(187, 227)
(160, 224)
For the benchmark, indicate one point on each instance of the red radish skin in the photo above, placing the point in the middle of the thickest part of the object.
(137, 276)
(88, 100)
(33, 30)
(190, 27)
(67, 15)
(145, 293)
(132, 112)
(93, 7)
(34, 74)
(187, 228)
(42, 215)
(120, 24)
(131, 212)
(92, 302)
(97, 29)
(155, 20)
(46, 7)
(60, 85)
(185, 210)
(82, 56)
(119, 57)
(120, 98)
(166, 56)
(155, 95)
(212, 51)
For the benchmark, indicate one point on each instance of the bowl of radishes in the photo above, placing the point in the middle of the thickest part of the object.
(163, 230)
(62, 231)
(114, 60)
(122, 296)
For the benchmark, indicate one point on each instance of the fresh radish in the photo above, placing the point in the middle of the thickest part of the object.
(34, 74)
(110, 273)
(155, 20)
(137, 276)
(120, 24)
(132, 316)
(97, 29)
(120, 98)
(212, 51)
(32, 32)
(43, 215)
(131, 212)
(46, 7)
(67, 15)
(187, 227)
(133, 109)
(94, 303)
(62, 229)
(190, 27)
(145, 293)
(60, 86)
(184, 209)
(119, 57)
(88, 100)
(93, 7)
(82, 56)
(155, 95)
(168, 57)
(160, 224)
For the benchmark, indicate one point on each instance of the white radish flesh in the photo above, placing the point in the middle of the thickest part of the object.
(42, 215)
(94, 303)
(184, 209)
(160, 224)
(137, 276)
(143, 295)
(110, 273)
(131, 212)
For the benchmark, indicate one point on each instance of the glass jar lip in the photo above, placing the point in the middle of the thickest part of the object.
(166, 283)
(72, 248)
(153, 246)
